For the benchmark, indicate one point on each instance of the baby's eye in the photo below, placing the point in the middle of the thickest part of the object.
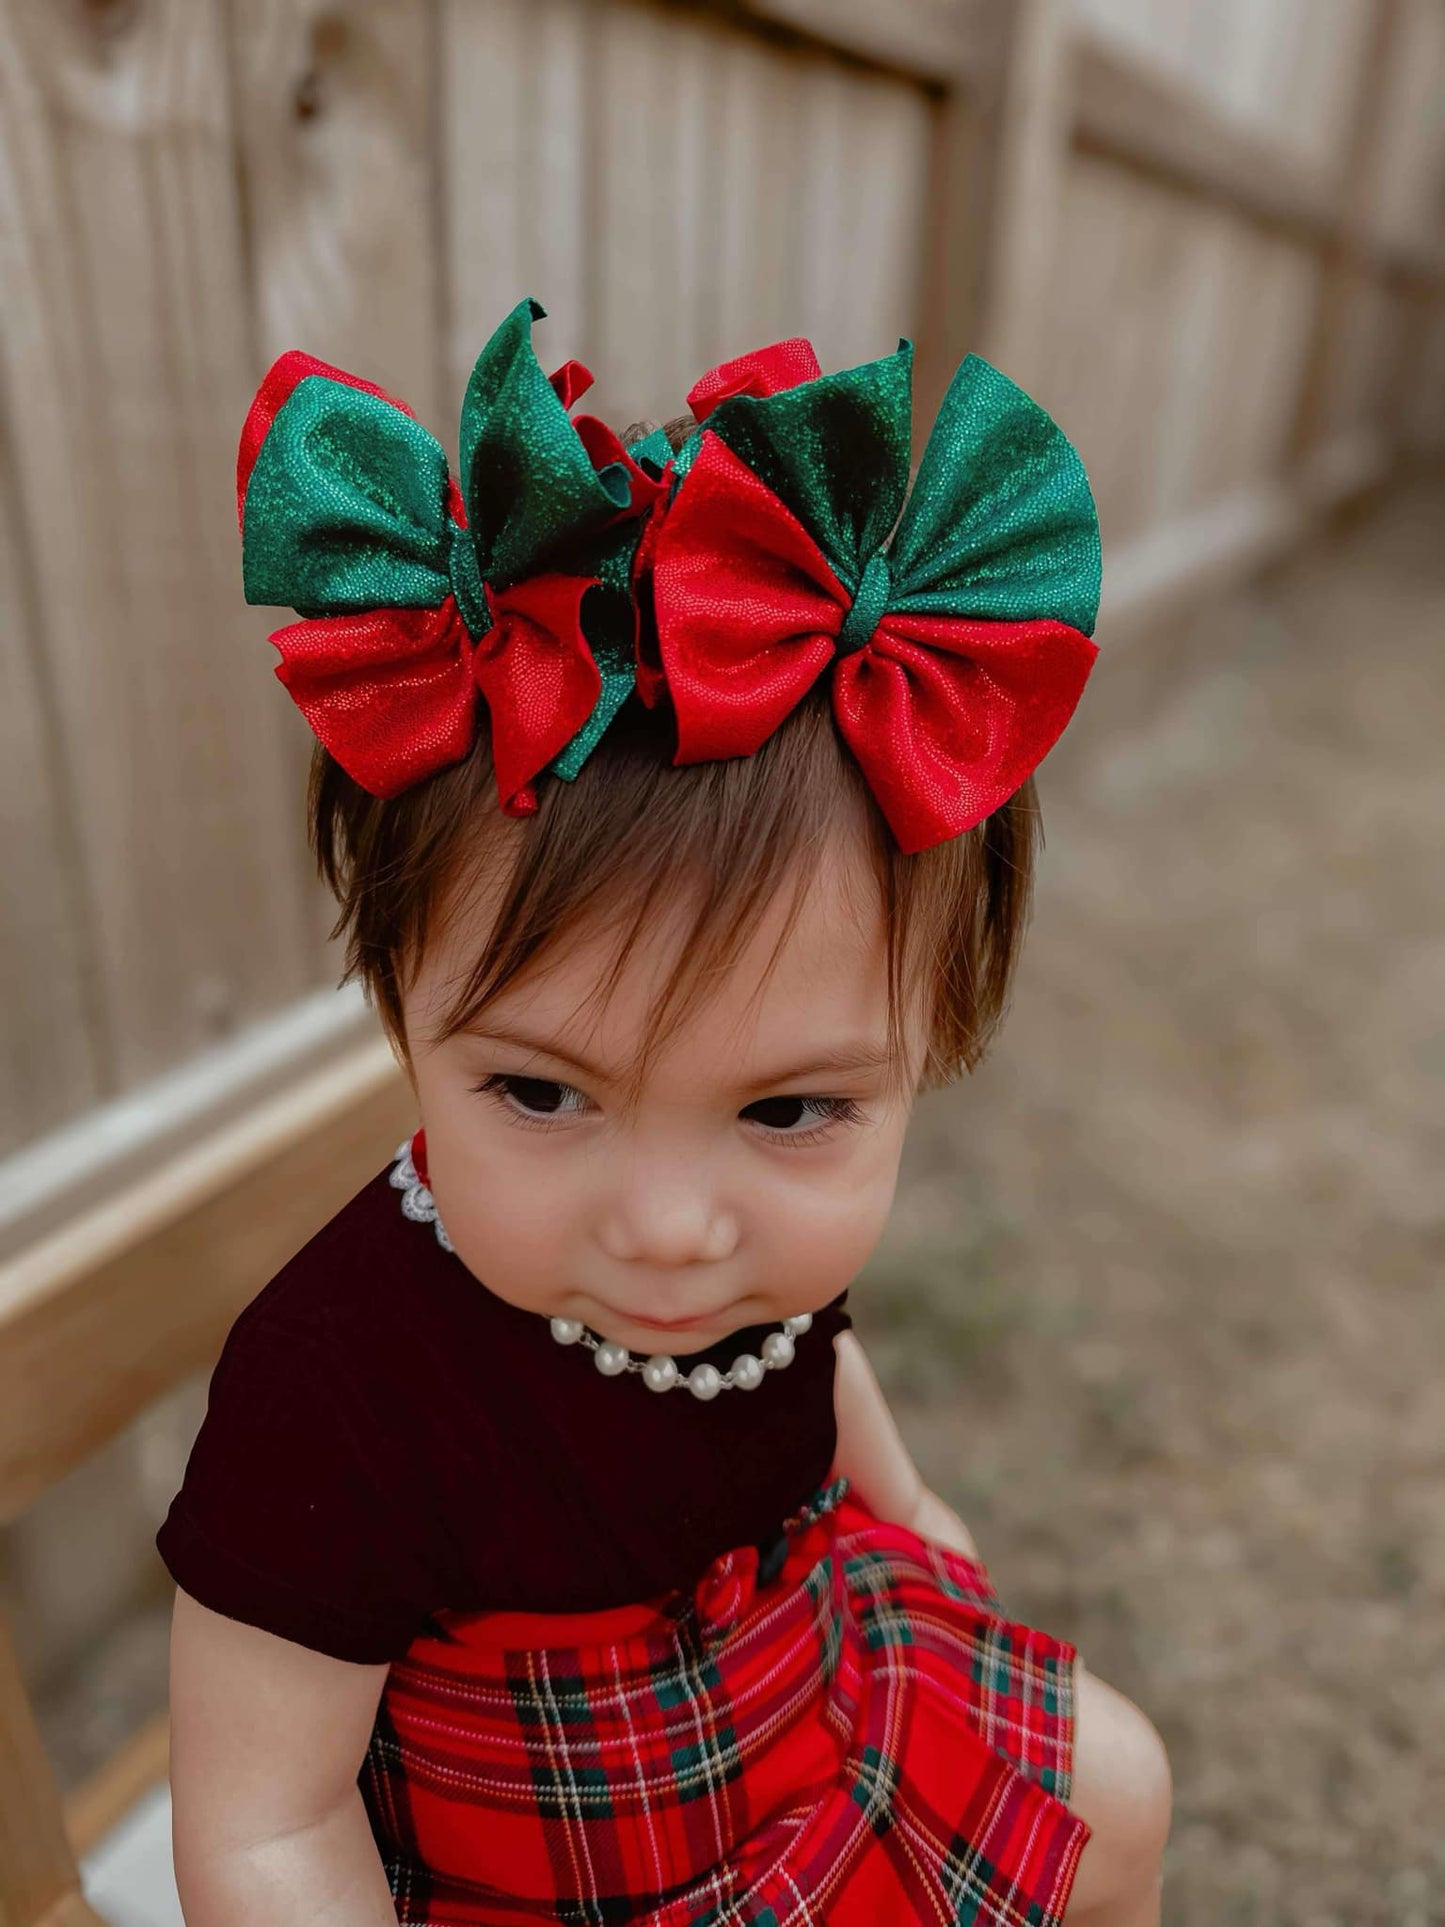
(533, 1096)
(798, 1117)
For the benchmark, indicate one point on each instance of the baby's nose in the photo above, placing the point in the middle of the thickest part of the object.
(668, 1217)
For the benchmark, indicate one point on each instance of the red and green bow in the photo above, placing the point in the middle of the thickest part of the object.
(954, 619)
(416, 594)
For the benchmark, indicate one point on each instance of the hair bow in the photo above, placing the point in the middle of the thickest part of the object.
(955, 618)
(417, 593)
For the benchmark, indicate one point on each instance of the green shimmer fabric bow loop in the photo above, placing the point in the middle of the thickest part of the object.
(417, 592)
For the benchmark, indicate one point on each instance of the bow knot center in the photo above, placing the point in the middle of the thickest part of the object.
(868, 606)
(467, 585)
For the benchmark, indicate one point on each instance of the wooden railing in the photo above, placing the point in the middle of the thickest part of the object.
(110, 1313)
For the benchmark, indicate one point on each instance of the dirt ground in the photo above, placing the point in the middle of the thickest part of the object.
(1160, 1307)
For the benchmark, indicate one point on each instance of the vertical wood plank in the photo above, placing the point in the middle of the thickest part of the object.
(126, 371)
(966, 146)
(1422, 423)
(553, 189)
(756, 162)
(881, 235)
(50, 1056)
(336, 136)
(1033, 150)
(650, 166)
(1322, 374)
(825, 141)
(516, 100)
(336, 129)
(688, 83)
(1089, 365)
(1406, 203)
(482, 153)
(758, 192)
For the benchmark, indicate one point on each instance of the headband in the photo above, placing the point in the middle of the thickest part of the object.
(781, 543)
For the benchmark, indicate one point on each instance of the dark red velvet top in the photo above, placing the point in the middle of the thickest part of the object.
(385, 1438)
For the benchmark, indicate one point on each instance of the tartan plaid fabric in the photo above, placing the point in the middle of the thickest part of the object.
(863, 1739)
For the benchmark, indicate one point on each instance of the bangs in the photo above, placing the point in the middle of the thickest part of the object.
(634, 843)
(634, 846)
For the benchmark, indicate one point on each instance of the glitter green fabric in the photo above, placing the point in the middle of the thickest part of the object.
(653, 453)
(1000, 523)
(526, 478)
(835, 450)
(609, 622)
(346, 507)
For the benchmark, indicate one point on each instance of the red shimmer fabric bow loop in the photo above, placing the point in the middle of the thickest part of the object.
(416, 593)
(763, 371)
(955, 619)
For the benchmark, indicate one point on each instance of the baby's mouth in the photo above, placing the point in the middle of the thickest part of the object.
(696, 1322)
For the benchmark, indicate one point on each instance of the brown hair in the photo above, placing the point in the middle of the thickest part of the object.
(632, 835)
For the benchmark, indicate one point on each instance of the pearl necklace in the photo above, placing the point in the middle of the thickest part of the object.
(660, 1372)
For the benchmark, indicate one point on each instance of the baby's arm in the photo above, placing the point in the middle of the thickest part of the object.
(872, 1456)
(1121, 1782)
(267, 1740)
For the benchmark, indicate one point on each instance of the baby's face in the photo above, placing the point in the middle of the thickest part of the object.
(748, 1180)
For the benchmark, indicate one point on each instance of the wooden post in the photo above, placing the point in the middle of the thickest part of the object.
(1034, 132)
(1001, 152)
(1344, 262)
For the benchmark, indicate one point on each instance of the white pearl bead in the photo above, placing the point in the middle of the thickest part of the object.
(747, 1372)
(567, 1331)
(799, 1323)
(777, 1350)
(659, 1374)
(704, 1381)
(610, 1358)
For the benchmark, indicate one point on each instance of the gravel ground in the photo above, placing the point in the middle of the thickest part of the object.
(1159, 1307)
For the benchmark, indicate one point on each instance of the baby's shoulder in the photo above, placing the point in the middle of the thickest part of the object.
(353, 1291)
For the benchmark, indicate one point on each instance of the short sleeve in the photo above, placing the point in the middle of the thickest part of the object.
(281, 1520)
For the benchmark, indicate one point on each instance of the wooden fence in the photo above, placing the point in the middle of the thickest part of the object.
(1208, 236)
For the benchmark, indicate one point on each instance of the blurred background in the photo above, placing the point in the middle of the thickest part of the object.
(1160, 1306)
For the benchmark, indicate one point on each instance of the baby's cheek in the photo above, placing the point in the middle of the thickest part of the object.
(830, 1242)
(512, 1238)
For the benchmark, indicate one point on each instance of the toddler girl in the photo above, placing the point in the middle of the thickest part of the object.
(548, 1551)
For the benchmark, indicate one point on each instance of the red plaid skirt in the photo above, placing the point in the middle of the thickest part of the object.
(862, 1739)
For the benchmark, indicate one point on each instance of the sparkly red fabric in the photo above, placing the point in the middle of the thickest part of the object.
(388, 691)
(764, 371)
(392, 692)
(539, 678)
(946, 716)
(571, 380)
